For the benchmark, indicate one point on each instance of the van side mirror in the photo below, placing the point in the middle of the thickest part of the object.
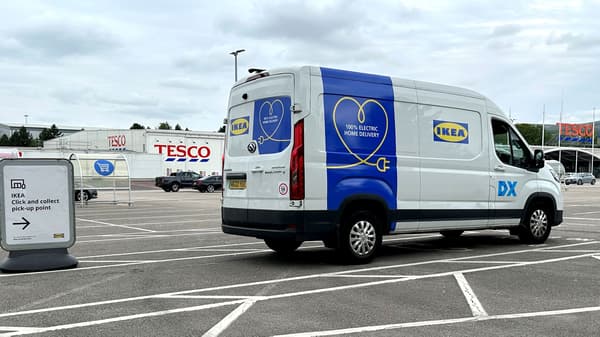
(538, 159)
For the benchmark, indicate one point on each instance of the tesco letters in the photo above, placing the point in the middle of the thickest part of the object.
(183, 151)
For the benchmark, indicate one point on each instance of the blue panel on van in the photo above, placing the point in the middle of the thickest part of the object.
(359, 136)
(272, 127)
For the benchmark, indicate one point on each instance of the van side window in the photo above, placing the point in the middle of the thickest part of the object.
(510, 149)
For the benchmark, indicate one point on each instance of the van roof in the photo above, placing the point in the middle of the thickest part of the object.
(420, 85)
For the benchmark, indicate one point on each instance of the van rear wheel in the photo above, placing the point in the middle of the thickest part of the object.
(360, 237)
(283, 246)
(536, 226)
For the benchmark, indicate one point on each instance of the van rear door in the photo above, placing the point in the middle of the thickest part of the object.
(257, 157)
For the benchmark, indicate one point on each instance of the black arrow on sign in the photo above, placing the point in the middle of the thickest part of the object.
(26, 223)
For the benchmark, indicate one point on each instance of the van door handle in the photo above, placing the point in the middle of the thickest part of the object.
(257, 169)
(499, 168)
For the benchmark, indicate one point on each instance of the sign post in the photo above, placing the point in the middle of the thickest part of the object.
(38, 218)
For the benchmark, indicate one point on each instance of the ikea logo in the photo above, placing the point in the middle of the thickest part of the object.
(239, 126)
(450, 132)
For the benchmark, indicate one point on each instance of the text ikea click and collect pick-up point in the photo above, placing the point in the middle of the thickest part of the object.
(38, 220)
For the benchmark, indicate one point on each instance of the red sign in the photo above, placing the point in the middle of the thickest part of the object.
(183, 151)
(117, 141)
(576, 130)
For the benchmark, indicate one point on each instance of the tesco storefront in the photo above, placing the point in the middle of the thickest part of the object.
(150, 153)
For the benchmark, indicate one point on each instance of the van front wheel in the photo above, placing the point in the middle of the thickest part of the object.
(283, 246)
(537, 224)
(360, 237)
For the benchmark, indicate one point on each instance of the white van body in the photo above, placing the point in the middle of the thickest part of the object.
(315, 153)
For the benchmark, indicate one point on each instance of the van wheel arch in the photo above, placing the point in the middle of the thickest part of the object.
(371, 203)
(537, 219)
(361, 224)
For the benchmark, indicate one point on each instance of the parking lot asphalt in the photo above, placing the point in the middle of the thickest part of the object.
(164, 268)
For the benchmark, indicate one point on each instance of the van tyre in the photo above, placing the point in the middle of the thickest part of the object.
(283, 246)
(452, 234)
(536, 226)
(360, 237)
(175, 187)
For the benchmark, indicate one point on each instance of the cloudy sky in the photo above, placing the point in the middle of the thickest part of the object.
(112, 63)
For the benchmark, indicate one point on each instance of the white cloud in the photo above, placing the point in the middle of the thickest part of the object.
(112, 63)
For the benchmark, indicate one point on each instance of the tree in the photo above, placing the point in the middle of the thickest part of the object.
(164, 126)
(136, 126)
(4, 141)
(222, 129)
(48, 134)
(177, 127)
(21, 138)
(531, 132)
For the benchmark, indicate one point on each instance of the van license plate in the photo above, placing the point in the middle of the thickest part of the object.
(237, 184)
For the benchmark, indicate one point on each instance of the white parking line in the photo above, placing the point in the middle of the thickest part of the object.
(583, 213)
(570, 224)
(307, 292)
(149, 236)
(575, 218)
(483, 262)
(476, 306)
(364, 329)
(199, 230)
(227, 320)
(170, 216)
(18, 330)
(115, 225)
(124, 318)
(370, 276)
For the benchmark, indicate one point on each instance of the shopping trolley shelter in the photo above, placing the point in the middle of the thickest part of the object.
(162, 267)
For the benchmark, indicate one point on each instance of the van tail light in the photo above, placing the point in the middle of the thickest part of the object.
(297, 163)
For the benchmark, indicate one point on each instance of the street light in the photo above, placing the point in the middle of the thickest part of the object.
(235, 54)
(25, 118)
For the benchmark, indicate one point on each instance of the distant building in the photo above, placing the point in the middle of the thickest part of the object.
(35, 129)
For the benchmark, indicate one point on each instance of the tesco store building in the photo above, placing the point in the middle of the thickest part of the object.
(149, 153)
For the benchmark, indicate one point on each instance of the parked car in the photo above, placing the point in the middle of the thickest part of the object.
(88, 193)
(208, 184)
(176, 181)
(580, 178)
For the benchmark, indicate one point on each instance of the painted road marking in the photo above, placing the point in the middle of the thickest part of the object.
(226, 322)
(242, 309)
(474, 303)
(115, 225)
(304, 277)
(442, 322)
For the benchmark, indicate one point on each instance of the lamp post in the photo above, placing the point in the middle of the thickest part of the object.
(235, 54)
(25, 118)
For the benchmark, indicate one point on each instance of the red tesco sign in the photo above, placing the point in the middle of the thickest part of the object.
(183, 151)
(117, 141)
(576, 130)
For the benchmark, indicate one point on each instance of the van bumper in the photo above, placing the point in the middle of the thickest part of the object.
(288, 225)
(558, 218)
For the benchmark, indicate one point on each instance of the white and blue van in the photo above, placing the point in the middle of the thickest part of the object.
(315, 153)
